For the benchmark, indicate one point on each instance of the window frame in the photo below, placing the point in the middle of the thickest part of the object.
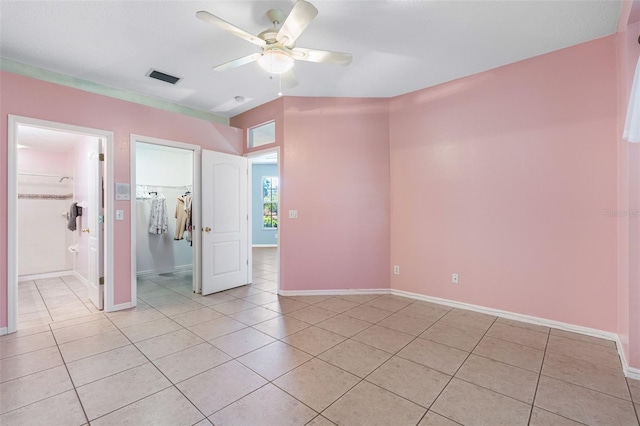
(277, 202)
(250, 131)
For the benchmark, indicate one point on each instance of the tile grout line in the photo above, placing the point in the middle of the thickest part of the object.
(75, 389)
(43, 301)
(76, 295)
(272, 382)
(458, 369)
(535, 392)
(346, 339)
(633, 403)
(160, 371)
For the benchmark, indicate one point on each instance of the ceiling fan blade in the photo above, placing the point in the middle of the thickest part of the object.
(237, 62)
(221, 23)
(299, 18)
(324, 56)
(289, 79)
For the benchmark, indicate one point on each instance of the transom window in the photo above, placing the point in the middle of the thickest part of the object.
(262, 135)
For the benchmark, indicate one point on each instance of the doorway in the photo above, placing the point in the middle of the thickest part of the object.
(265, 218)
(165, 216)
(55, 270)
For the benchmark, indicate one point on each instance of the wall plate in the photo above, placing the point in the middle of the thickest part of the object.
(123, 191)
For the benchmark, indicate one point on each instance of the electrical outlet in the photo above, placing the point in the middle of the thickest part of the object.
(454, 278)
(293, 214)
(396, 269)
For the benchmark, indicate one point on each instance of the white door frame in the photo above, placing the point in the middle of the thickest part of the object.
(12, 209)
(250, 155)
(195, 208)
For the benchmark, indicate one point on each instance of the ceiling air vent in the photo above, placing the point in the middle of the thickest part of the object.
(163, 77)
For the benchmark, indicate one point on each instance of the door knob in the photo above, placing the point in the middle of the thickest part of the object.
(85, 230)
(207, 229)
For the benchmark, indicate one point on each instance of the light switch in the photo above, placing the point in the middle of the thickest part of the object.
(119, 214)
(293, 214)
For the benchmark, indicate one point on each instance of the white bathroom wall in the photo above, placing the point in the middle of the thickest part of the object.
(43, 237)
(168, 171)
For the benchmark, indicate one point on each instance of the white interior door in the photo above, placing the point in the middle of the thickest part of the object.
(225, 221)
(94, 212)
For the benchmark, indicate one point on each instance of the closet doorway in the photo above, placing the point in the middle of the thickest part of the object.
(165, 213)
(60, 256)
(265, 218)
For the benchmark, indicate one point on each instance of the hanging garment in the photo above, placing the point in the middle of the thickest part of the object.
(188, 225)
(158, 218)
(181, 218)
(73, 215)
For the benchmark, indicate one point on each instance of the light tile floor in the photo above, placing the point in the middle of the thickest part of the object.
(249, 357)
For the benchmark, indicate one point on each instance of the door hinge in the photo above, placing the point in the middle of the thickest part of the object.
(247, 262)
(101, 281)
(100, 157)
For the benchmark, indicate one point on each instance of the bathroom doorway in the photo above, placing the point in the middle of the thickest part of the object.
(57, 269)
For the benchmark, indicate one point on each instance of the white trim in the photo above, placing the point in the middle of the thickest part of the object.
(12, 203)
(80, 277)
(121, 306)
(249, 221)
(23, 278)
(631, 372)
(334, 292)
(264, 245)
(510, 315)
(179, 268)
(248, 146)
(3, 331)
(260, 153)
(195, 207)
(12, 223)
(109, 223)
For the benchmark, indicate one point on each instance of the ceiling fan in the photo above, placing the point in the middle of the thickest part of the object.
(279, 51)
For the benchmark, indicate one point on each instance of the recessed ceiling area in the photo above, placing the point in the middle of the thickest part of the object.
(397, 46)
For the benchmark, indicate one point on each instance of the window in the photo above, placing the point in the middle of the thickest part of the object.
(270, 202)
(262, 135)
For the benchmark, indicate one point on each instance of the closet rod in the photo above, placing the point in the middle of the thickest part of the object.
(42, 175)
(165, 186)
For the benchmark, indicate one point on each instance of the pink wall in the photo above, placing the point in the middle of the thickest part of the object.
(38, 99)
(337, 177)
(504, 178)
(628, 319)
(334, 164)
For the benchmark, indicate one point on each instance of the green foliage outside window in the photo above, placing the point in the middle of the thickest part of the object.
(270, 202)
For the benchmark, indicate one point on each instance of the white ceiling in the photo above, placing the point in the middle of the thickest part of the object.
(398, 46)
(48, 139)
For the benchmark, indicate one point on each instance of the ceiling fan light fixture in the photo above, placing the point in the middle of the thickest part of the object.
(275, 61)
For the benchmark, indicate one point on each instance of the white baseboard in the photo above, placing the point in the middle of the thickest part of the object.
(80, 278)
(3, 331)
(512, 315)
(630, 372)
(45, 275)
(154, 272)
(263, 245)
(332, 292)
